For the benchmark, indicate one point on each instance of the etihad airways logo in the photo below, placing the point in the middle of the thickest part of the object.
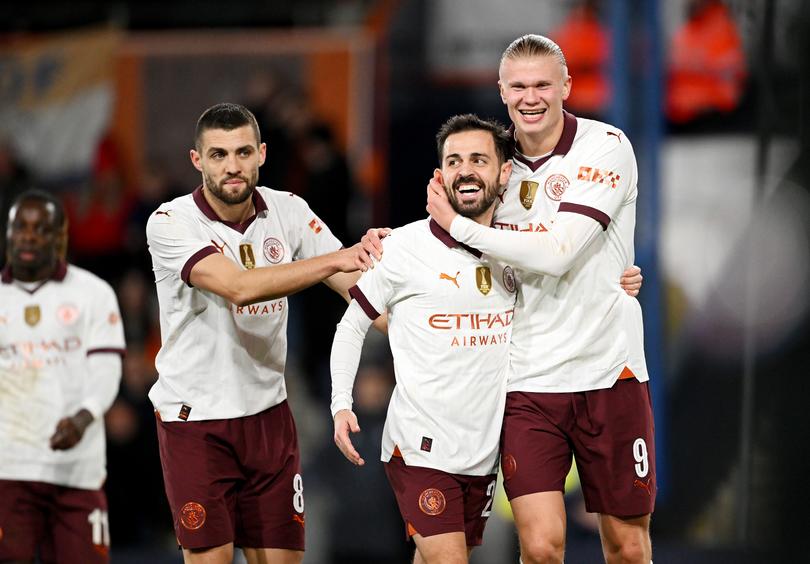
(536, 227)
(473, 320)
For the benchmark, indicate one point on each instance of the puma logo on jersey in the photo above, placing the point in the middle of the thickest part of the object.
(220, 248)
(298, 519)
(502, 194)
(616, 135)
(643, 485)
(453, 279)
(161, 212)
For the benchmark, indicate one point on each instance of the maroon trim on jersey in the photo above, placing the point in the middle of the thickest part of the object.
(58, 275)
(593, 213)
(113, 350)
(258, 203)
(562, 147)
(448, 240)
(357, 294)
(185, 273)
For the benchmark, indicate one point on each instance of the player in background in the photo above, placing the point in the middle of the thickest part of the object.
(61, 343)
(225, 257)
(450, 316)
(578, 380)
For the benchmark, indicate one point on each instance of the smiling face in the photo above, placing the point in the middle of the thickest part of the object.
(533, 88)
(472, 172)
(229, 161)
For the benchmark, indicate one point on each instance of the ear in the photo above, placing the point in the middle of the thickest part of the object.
(506, 172)
(437, 174)
(500, 91)
(262, 153)
(567, 87)
(196, 159)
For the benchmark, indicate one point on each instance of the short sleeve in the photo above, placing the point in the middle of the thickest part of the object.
(311, 236)
(605, 180)
(174, 245)
(104, 328)
(376, 289)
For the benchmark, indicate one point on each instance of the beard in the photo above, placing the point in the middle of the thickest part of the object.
(478, 207)
(231, 198)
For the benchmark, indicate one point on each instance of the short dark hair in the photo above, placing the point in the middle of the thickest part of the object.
(471, 122)
(227, 116)
(34, 194)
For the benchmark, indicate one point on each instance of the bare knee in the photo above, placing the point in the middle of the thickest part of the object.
(542, 551)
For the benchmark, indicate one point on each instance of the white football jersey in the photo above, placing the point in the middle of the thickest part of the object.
(579, 331)
(47, 332)
(217, 360)
(450, 317)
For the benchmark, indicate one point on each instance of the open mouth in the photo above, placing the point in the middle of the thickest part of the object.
(532, 114)
(467, 188)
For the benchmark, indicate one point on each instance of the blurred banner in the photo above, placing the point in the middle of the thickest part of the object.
(56, 93)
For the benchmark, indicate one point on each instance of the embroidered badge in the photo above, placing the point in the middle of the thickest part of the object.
(192, 515)
(432, 502)
(483, 278)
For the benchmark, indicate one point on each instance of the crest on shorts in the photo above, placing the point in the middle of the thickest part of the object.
(509, 279)
(508, 465)
(432, 502)
(528, 190)
(32, 315)
(246, 254)
(555, 186)
(273, 250)
(483, 278)
(192, 515)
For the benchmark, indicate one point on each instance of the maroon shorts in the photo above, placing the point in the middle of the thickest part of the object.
(67, 525)
(610, 432)
(433, 502)
(235, 480)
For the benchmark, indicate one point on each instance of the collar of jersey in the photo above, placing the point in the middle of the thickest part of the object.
(58, 274)
(562, 147)
(448, 240)
(258, 204)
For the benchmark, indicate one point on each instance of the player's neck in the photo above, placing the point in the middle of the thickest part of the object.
(22, 274)
(234, 213)
(539, 143)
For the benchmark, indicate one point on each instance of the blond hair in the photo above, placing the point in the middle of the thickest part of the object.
(533, 45)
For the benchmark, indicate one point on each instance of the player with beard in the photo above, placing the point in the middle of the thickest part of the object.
(578, 382)
(225, 257)
(449, 323)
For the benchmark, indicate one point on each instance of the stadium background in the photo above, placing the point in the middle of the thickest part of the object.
(98, 103)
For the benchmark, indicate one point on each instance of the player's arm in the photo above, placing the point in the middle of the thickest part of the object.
(223, 277)
(341, 282)
(551, 252)
(347, 347)
(99, 390)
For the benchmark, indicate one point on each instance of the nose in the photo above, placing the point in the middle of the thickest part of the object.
(530, 96)
(232, 163)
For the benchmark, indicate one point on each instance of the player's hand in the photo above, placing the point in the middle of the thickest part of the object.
(438, 205)
(70, 430)
(372, 241)
(345, 422)
(354, 258)
(631, 280)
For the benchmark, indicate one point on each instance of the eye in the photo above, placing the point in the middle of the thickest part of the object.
(245, 152)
